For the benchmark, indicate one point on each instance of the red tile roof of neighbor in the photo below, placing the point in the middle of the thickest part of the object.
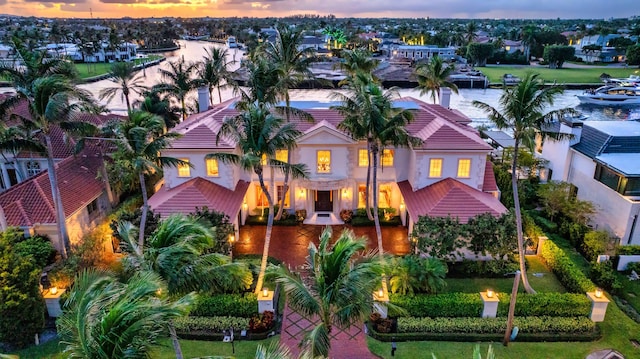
(489, 183)
(449, 197)
(199, 192)
(440, 128)
(30, 202)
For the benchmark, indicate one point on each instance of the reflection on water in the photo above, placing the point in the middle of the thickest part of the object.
(194, 51)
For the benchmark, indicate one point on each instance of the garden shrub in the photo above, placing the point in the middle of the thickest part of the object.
(565, 270)
(547, 304)
(629, 250)
(223, 228)
(210, 324)
(440, 305)
(573, 231)
(545, 224)
(135, 216)
(605, 276)
(414, 274)
(635, 266)
(234, 305)
(496, 268)
(542, 324)
(381, 325)
(39, 247)
(594, 244)
(260, 323)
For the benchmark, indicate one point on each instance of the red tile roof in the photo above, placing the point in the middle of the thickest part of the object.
(30, 202)
(438, 127)
(489, 183)
(449, 197)
(198, 192)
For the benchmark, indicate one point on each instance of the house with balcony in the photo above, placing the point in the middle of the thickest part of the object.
(602, 160)
(448, 174)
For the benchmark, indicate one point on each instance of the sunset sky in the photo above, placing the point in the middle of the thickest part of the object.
(596, 9)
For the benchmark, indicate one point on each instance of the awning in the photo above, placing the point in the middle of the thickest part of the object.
(326, 184)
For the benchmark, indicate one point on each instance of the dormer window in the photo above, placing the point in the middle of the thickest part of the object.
(184, 170)
(323, 159)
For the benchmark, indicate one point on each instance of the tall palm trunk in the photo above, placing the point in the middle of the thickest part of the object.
(219, 94)
(516, 204)
(184, 108)
(285, 185)
(376, 217)
(211, 96)
(145, 210)
(367, 190)
(174, 341)
(63, 234)
(267, 236)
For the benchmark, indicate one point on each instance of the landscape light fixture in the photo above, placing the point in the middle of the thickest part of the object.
(53, 290)
(598, 293)
(380, 293)
(265, 292)
(490, 293)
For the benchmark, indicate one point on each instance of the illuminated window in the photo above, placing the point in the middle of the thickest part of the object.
(282, 155)
(362, 195)
(183, 169)
(261, 199)
(324, 161)
(435, 168)
(212, 167)
(263, 160)
(384, 196)
(464, 167)
(286, 197)
(387, 157)
(363, 157)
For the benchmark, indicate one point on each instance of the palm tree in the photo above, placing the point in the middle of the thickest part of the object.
(177, 252)
(337, 287)
(257, 133)
(178, 82)
(433, 75)
(214, 71)
(293, 68)
(139, 142)
(523, 112)
(357, 60)
(105, 319)
(51, 101)
(470, 32)
(123, 75)
(162, 107)
(369, 115)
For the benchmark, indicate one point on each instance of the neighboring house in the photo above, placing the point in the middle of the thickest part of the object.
(5, 51)
(606, 52)
(418, 53)
(602, 160)
(85, 199)
(125, 51)
(447, 175)
(314, 42)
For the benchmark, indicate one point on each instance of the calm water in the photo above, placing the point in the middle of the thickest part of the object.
(194, 50)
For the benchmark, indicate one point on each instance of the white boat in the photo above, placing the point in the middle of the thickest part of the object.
(632, 80)
(612, 96)
(231, 42)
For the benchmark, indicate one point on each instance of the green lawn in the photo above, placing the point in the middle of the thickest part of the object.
(87, 70)
(564, 75)
(631, 291)
(545, 283)
(190, 349)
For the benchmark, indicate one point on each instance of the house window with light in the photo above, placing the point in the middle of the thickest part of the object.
(286, 197)
(387, 157)
(212, 167)
(435, 168)
(282, 155)
(384, 196)
(362, 196)
(184, 170)
(324, 161)
(363, 157)
(464, 168)
(261, 199)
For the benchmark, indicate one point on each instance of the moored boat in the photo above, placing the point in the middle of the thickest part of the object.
(611, 96)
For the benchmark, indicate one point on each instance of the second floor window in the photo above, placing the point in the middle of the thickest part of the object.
(183, 169)
(282, 155)
(363, 157)
(435, 168)
(387, 157)
(212, 167)
(33, 168)
(464, 168)
(324, 161)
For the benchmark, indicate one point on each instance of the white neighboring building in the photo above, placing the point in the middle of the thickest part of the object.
(125, 51)
(418, 52)
(603, 161)
(449, 174)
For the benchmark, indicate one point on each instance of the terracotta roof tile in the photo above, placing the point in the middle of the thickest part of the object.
(449, 197)
(198, 192)
(30, 202)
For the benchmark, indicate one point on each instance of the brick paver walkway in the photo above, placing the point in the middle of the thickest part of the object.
(289, 244)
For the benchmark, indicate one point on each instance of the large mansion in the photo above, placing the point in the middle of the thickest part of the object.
(449, 174)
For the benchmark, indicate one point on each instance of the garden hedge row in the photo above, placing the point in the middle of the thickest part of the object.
(565, 270)
(470, 305)
(212, 324)
(629, 250)
(233, 305)
(529, 325)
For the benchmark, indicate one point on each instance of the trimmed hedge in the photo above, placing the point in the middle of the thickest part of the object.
(629, 250)
(565, 270)
(441, 305)
(470, 305)
(211, 324)
(529, 325)
(233, 305)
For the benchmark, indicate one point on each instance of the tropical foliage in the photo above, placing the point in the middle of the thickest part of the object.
(412, 274)
(434, 75)
(123, 75)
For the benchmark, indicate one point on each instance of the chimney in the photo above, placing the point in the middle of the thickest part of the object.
(203, 99)
(445, 97)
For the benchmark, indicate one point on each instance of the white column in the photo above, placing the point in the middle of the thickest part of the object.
(5, 176)
(490, 304)
(265, 301)
(599, 303)
(53, 302)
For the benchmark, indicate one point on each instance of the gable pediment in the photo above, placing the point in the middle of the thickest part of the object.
(324, 133)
